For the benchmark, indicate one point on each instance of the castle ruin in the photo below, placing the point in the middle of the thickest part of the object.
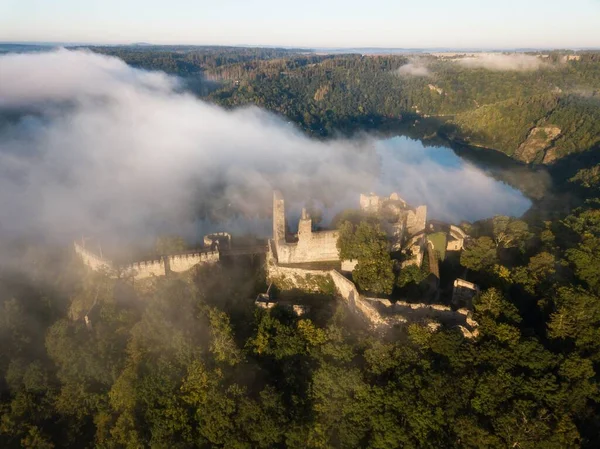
(311, 246)
(404, 225)
(289, 259)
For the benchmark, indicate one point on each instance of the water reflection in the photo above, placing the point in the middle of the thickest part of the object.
(452, 188)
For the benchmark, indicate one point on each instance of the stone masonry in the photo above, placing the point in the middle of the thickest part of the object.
(177, 263)
(311, 246)
(379, 313)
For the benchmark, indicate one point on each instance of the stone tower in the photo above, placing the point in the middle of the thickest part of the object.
(304, 226)
(278, 218)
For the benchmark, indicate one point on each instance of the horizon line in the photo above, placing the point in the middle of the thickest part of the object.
(292, 47)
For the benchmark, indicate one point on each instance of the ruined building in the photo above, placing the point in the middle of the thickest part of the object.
(404, 225)
(310, 246)
(463, 293)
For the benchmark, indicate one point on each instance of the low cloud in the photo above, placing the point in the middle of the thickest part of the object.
(503, 62)
(414, 69)
(453, 190)
(89, 145)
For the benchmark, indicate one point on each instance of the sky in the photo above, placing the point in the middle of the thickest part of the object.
(307, 23)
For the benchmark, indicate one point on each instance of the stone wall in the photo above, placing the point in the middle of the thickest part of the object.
(416, 246)
(179, 263)
(379, 313)
(349, 265)
(145, 269)
(371, 203)
(416, 221)
(287, 278)
(92, 260)
(217, 239)
(344, 286)
(455, 245)
(463, 293)
(457, 239)
(278, 218)
(311, 246)
(457, 232)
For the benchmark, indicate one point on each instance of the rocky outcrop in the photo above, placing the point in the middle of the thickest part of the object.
(537, 142)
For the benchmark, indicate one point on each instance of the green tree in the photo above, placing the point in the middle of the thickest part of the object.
(479, 254)
(509, 232)
(367, 244)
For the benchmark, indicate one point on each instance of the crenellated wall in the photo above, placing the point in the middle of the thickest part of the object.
(92, 260)
(145, 269)
(177, 263)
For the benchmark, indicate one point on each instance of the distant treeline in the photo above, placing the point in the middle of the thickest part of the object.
(184, 60)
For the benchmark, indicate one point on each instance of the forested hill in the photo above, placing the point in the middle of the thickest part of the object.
(92, 360)
(539, 111)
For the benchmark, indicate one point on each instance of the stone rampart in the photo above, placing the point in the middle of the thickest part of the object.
(349, 265)
(344, 286)
(416, 221)
(311, 246)
(92, 260)
(178, 263)
(364, 306)
(457, 232)
(287, 278)
(145, 269)
(379, 313)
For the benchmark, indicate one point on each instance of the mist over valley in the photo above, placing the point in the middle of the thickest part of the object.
(338, 245)
(97, 147)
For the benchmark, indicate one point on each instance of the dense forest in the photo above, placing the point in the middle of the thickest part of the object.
(187, 360)
(328, 94)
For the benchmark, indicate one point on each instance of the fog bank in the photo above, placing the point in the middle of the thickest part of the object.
(414, 69)
(503, 62)
(89, 145)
